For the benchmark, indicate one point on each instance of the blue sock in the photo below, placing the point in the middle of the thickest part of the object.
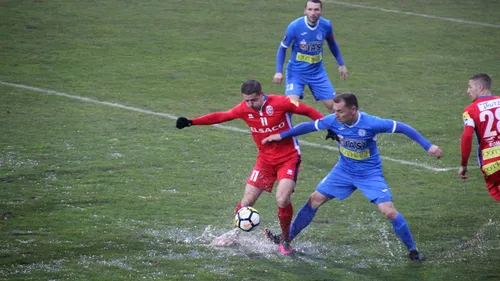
(403, 231)
(302, 220)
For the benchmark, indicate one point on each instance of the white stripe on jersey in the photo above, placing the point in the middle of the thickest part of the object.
(316, 124)
(295, 140)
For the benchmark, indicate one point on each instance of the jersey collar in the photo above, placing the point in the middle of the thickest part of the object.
(357, 121)
(265, 100)
(311, 27)
(482, 97)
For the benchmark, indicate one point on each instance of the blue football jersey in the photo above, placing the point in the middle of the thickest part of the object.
(358, 142)
(307, 45)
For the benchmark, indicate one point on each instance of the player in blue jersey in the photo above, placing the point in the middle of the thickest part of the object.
(305, 36)
(359, 166)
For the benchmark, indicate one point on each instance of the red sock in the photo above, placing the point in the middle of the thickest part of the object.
(285, 216)
(238, 207)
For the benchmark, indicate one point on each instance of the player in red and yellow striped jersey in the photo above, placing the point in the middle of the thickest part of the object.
(482, 116)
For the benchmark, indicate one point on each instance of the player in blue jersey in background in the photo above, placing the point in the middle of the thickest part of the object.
(305, 36)
(359, 165)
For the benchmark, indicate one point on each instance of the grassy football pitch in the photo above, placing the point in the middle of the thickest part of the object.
(97, 183)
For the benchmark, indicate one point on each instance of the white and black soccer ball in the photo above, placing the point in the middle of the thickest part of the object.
(247, 219)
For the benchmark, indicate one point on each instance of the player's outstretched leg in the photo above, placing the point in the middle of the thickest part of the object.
(403, 232)
(302, 220)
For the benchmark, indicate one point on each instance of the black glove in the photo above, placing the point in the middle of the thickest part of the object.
(183, 122)
(331, 135)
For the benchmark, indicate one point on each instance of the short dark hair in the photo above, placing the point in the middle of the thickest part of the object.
(348, 98)
(483, 78)
(315, 2)
(251, 87)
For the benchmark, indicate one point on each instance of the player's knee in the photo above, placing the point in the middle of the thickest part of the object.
(316, 200)
(389, 213)
(282, 201)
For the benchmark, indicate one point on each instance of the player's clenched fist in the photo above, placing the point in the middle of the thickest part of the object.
(278, 77)
(462, 172)
(343, 72)
(183, 122)
(435, 151)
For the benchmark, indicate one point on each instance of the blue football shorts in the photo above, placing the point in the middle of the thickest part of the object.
(320, 85)
(339, 184)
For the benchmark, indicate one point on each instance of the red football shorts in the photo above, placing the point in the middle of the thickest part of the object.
(493, 185)
(264, 174)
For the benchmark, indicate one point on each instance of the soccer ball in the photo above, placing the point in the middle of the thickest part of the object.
(247, 219)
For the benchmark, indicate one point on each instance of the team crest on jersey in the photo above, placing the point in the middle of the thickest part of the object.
(319, 36)
(303, 45)
(361, 132)
(269, 110)
(250, 116)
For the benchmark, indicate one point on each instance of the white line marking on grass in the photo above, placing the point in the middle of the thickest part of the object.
(234, 129)
(413, 14)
